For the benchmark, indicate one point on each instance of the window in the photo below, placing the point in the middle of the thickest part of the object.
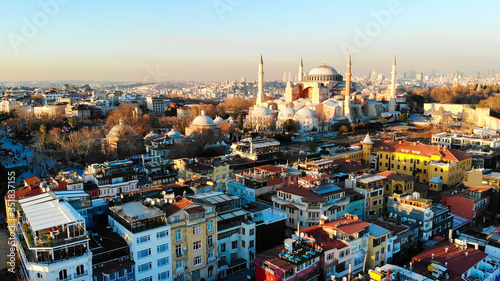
(164, 275)
(145, 266)
(178, 251)
(329, 257)
(223, 247)
(80, 270)
(210, 226)
(197, 245)
(197, 230)
(161, 234)
(63, 274)
(149, 278)
(243, 243)
(210, 254)
(210, 241)
(178, 235)
(143, 253)
(163, 261)
(143, 239)
(252, 231)
(178, 264)
(252, 243)
(197, 260)
(162, 248)
(377, 256)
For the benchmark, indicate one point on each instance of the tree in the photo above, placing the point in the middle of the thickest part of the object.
(290, 126)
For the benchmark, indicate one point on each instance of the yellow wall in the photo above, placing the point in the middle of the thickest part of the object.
(407, 163)
(370, 260)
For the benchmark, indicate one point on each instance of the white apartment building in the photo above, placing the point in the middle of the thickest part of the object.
(149, 237)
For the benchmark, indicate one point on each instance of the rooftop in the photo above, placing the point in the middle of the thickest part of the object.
(43, 212)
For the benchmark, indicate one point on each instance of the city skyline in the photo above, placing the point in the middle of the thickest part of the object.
(219, 40)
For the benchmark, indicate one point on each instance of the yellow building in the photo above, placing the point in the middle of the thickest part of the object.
(372, 187)
(377, 246)
(420, 160)
(214, 169)
(397, 183)
(194, 229)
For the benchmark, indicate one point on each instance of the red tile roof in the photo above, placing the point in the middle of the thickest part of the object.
(177, 206)
(479, 188)
(297, 190)
(313, 178)
(347, 225)
(349, 166)
(323, 238)
(458, 263)
(271, 168)
(392, 175)
(31, 180)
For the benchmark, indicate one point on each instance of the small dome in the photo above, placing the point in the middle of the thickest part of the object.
(173, 134)
(151, 134)
(218, 119)
(305, 113)
(261, 111)
(203, 120)
(119, 130)
(323, 70)
(286, 112)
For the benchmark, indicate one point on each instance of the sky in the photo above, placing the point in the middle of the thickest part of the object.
(217, 40)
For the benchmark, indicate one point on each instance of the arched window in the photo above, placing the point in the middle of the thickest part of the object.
(39, 275)
(79, 270)
(63, 274)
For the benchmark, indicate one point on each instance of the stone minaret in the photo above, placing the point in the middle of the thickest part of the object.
(301, 71)
(347, 99)
(260, 94)
(392, 102)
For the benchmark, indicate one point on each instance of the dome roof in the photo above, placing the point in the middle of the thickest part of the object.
(203, 120)
(286, 112)
(119, 130)
(305, 113)
(323, 70)
(173, 134)
(261, 110)
(151, 134)
(218, 119)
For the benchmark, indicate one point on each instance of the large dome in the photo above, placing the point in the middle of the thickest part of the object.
(305, 113)
(203, 120)
(323, 70)
(287, 113)
(323, 73)
(261, 111)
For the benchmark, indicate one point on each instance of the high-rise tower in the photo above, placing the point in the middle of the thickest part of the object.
(260, 94)
(392, 101)
(347, 99)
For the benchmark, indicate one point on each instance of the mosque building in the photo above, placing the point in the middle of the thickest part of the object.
(317, 98)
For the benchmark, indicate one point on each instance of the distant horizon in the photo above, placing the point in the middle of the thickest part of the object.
(56, 40)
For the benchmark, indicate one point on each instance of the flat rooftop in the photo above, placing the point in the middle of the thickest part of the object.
(137, 209)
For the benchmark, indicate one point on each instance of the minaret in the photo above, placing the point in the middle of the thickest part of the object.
(260, 94)
(392, 101)
(347, 99)
(301, 71)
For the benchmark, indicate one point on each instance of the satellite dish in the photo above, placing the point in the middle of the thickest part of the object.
(185, 248)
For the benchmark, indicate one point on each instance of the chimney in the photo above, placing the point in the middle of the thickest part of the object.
(446, 250)
(466, 254)
(446, 264)
(432, 255)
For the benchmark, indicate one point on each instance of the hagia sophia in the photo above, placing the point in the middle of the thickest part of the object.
(315, 101)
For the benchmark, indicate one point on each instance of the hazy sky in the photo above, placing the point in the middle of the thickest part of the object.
(223, 39)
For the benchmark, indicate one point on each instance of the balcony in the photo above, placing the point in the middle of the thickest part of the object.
(64, 279)
(211, 259)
